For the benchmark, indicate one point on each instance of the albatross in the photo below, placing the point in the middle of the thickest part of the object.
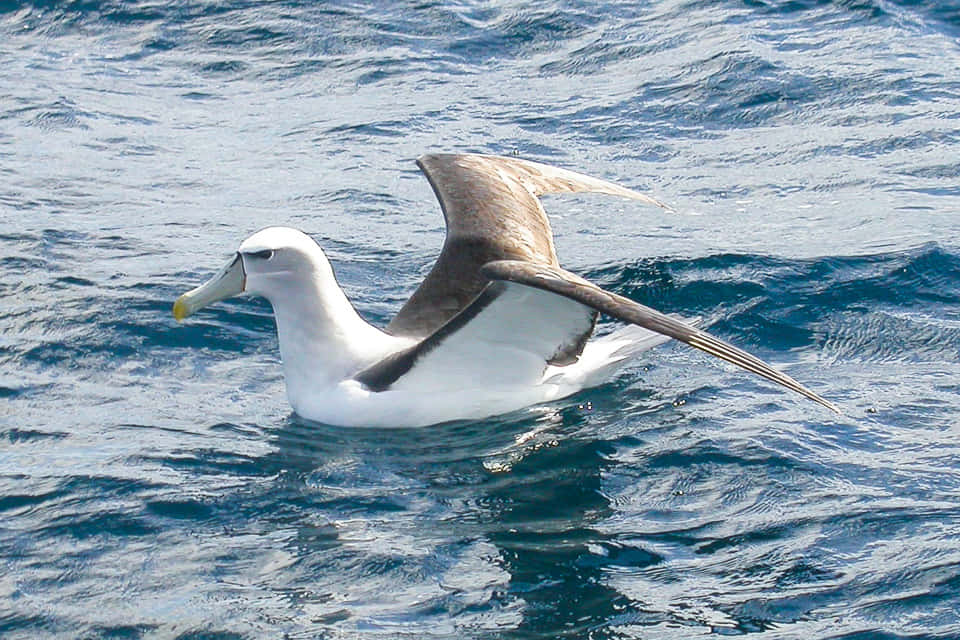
(497, 324)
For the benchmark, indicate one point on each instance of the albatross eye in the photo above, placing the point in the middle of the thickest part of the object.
(266, 254)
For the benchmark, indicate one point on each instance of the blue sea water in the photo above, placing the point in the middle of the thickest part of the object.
(154, 484)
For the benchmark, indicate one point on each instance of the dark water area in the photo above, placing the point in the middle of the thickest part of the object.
(154, 483)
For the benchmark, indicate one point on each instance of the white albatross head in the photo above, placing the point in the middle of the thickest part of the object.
(322, 339)
(277, 263)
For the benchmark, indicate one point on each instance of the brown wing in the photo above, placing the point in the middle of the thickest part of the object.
(566, 284)
(492, 212)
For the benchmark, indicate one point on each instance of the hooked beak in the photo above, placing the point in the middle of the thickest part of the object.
(229, 281)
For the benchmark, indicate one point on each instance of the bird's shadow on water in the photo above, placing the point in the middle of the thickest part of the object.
(303, 445)
(527, 484)
(494, 445)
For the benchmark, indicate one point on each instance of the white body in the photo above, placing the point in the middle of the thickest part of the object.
(348, 402)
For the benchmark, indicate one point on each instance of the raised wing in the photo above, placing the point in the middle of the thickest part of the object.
(492, 211)
(568, 285)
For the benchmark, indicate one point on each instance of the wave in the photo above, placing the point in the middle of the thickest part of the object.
(886, 306)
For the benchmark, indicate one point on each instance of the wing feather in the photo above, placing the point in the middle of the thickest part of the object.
(506, 338)
(575, 288)
(492, 211)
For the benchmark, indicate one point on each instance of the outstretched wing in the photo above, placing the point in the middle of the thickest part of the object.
(526, 315)
(492, 211)
(572, 287)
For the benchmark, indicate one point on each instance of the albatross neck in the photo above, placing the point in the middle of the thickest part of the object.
(322, 337)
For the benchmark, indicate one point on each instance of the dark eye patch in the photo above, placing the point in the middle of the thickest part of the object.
(265, 254)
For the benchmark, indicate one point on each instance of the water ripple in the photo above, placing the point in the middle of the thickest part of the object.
(153, 482)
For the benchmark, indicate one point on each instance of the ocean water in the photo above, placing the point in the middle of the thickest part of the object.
(154, 483)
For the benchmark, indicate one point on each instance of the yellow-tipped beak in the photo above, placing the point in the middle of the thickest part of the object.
(181, 309)
(229, 281)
